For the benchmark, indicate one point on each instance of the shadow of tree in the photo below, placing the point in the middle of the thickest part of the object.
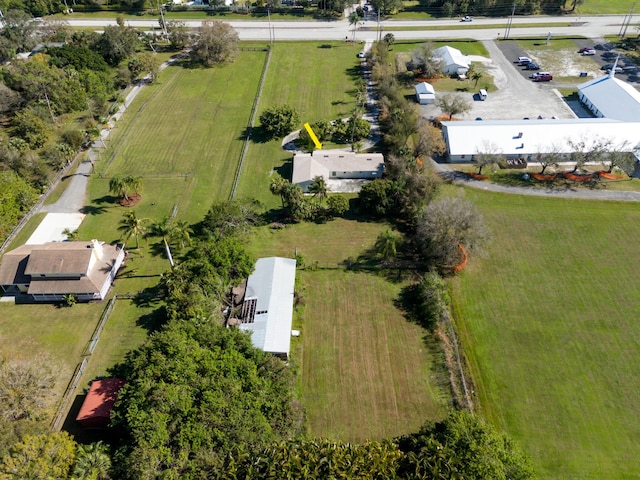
(93, 209)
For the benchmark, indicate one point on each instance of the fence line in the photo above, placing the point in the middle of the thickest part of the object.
(454, 340)
(254, 110)
(63, 407)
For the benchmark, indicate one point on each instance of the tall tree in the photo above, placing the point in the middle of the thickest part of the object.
(318, 187)
(25, 388)
(163, 229)
(132, 226)
(453, 104)
(488, 154)
(41, 457)
(277, 185)
(446, 224)
(217, 42)
(386, 245)
(92, 462)
(117, 43)
(354, 19)
(426, 62)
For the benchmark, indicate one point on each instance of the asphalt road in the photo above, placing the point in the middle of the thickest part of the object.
(587, 26)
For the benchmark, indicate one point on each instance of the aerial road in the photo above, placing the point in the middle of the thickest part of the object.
(588, 26)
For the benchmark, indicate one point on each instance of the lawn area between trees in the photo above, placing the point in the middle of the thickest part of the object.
(549, 324)
(365, 370)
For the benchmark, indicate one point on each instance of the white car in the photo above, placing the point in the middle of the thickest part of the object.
(466, 18)
(361, 54)
(589, 52)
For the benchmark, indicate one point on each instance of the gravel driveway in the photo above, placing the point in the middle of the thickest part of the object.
(517, 96)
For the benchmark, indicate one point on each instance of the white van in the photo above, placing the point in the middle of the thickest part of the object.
(482, 94)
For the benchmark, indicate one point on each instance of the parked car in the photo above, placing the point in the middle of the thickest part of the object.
(584, 49)
(545, 77)
(618, 70)
(589, 52)
(466, 18)
(524, 60)
(532, 66)
(536, 74)
(361, 54)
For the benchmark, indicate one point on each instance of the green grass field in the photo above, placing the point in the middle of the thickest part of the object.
(59, 334)
(366, 372)
(549, 324)
(325, 75)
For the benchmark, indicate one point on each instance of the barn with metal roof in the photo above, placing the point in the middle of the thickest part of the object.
(267, 310)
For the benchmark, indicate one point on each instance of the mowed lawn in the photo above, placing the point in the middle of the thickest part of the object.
(189, 127)
(365, 371)
(318, 80)
(549, 321)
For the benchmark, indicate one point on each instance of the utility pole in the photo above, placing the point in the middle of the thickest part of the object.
(270, 31)
(379, 28)
(509, 22)
(626, 25)
(164, 25)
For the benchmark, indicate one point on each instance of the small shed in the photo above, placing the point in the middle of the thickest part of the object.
(425, 93)
(96, 408)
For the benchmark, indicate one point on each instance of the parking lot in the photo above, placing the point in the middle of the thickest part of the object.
(519, 97)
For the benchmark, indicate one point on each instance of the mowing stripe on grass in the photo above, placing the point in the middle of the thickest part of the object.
(254, 110)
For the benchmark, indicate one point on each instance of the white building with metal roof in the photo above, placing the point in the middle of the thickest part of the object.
(454, 62)
(529, 139)
(267, 310)
(610, 97)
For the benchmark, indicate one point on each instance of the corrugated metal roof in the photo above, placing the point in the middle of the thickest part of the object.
(425, 88)
(452, 57)
(525, 137)
(272, 284)
(613, 98)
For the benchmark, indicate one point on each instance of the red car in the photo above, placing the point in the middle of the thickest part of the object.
(584, 49)
(545, 77)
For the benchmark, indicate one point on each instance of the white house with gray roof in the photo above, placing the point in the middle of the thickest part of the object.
(267, 310)
(336, 167)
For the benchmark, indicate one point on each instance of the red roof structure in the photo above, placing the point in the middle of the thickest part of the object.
(96, 408)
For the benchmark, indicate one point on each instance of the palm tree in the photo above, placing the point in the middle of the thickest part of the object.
(134, 182)
(118, 185)
(354, 18)
(476, 76)
(277, 186)
(132, 225)
(92, 462)
(181, 234)
(318, 187)
(163, 229)
(386, 245)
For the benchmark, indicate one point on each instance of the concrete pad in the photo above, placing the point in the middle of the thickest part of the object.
(51, 228)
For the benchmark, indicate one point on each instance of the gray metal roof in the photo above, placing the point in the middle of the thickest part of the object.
(272, 284)
(613, 98)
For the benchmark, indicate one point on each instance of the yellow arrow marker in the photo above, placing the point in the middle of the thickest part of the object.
(313, 136)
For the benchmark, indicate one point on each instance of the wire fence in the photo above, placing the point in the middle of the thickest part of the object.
(254, 110)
